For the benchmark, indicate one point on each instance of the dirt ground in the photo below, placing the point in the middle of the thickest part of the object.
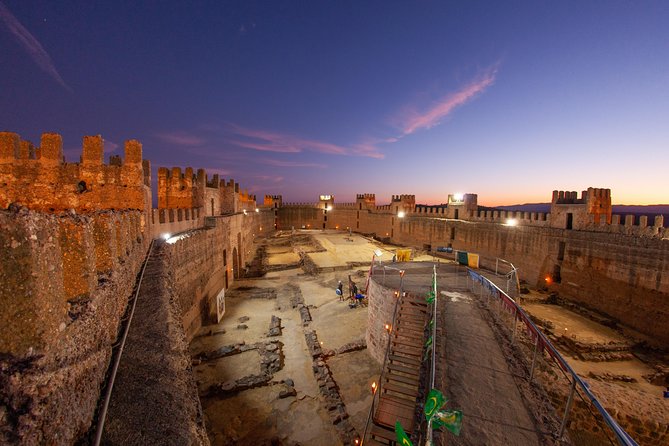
(287, 408)
(260, 415)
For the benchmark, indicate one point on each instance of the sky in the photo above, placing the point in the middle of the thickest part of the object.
(509, 100)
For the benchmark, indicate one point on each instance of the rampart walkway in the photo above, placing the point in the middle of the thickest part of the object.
(479, 380)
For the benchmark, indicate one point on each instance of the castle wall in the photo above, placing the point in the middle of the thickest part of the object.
(38, 178)
(201, 258)
(621, 268)
(66, 280)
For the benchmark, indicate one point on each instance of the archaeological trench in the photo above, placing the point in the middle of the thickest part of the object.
(236, 335)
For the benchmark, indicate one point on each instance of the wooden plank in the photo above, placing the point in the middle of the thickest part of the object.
(408, 343)
(394, 377)
(398, 388)
(380, 432)
(410, 325)
(404, 360)
(403, 369)
(388, 413)
(408, 351)
(409, 335)
(411, 318)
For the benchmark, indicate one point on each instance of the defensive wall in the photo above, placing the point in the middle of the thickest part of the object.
(618, 265)
(73, 237)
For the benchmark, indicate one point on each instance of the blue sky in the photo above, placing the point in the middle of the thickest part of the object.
(508, 100)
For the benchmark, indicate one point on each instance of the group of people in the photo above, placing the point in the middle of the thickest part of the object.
(356, 297)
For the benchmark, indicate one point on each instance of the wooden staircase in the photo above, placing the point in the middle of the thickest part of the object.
(400, 380)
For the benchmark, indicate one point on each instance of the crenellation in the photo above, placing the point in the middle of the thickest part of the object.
(39, 178)
(9, 147)
(93, 148)
(51, 146)
(643, 221)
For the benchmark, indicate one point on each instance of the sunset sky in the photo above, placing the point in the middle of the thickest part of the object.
(506, 99)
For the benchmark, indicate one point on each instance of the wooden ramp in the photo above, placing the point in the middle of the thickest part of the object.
(398, 388)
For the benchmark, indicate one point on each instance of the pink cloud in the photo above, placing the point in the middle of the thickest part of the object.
(280, 163)
(110, 147)
(32, 46)
(263, 140)
(424, 120)
(179, 138)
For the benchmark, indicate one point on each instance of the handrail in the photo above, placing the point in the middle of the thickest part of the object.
(543, 342)
(385, 358)
(103, 411)
(434, 346)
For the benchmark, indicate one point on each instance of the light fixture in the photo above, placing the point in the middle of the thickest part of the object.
(257, 210)
(166, 236)
(374, 387)
(244, 211)
(387, 327)
(512, 222)
(458, 197)
(400, 214)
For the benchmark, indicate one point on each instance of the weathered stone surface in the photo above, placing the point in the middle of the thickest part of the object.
(275, 326)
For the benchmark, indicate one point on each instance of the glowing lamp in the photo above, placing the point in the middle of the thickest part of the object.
(400, 214)
(548, 279)
(374, 387)
(166, 236)
(257, 210)
(512, 222)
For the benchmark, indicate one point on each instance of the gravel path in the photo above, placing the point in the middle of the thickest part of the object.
(480, 382)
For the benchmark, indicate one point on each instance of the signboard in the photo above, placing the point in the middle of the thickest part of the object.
(326, 197)
(220, 305)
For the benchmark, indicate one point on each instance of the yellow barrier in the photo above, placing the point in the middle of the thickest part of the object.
(403, 255)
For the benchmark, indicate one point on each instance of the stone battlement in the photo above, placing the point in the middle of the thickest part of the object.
(404, 197)
(366, 196)
(39, 178)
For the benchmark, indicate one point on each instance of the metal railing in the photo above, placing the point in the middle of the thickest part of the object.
(434, 347)
(541, 344)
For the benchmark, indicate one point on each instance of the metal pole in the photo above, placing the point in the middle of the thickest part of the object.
(515, 324)
(534, 358)
(568, 408)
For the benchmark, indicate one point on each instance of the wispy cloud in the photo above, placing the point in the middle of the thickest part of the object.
(281, 163)
(270, 178)
(110, 147)
(418, 120)
(263, 140)
(31, 45)
(180, 138)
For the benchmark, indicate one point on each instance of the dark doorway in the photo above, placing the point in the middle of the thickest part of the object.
(235, 264)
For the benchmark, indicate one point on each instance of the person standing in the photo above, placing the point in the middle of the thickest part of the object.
(340, 288)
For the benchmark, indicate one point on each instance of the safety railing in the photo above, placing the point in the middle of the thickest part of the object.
(538, 345)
